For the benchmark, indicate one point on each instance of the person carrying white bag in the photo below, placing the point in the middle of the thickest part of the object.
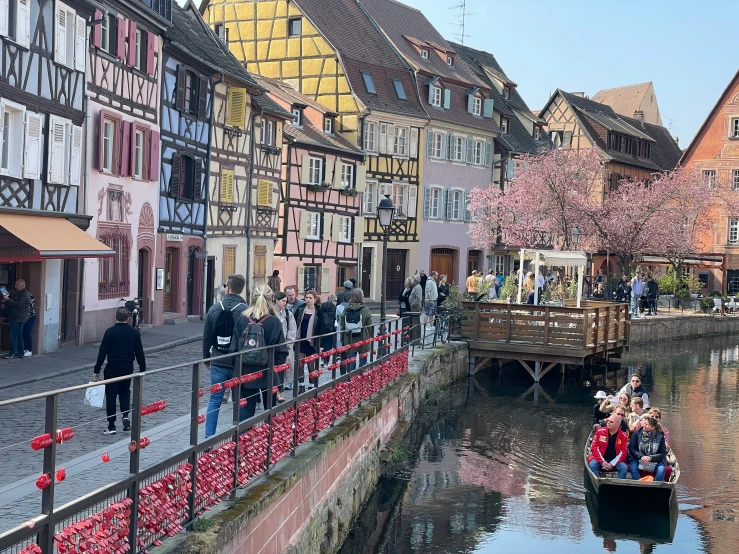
(121, 344)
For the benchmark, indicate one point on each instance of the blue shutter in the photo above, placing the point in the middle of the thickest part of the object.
(488, 107)
(488, 153)
(467, 213)
(450, 146)
(431, 94)
(426, 202)
(429, 143)
(447, 204)
(447, 99)
(470, 151)
(470, 103)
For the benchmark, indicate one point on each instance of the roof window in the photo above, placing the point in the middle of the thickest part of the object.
(369, 84)
(399, 90)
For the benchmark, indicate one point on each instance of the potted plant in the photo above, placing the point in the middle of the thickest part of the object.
(348, 191)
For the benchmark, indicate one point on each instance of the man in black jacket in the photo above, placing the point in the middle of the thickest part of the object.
(121, 344)
(18, 305)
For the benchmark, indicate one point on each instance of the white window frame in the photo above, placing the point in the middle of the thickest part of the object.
(109, 126)
(140, 51)
(436, 203)
(267, 132)
(13, 137)
(314, 226)
(297, 117)
(370, 136)
(139, 140)
(328, 125)
(504, 125)
(537, 132)
(369, 199)
(450, 61)
(347, 176)
(506, 93)
(436, 96)
(400, 199)
(734, 128)
(476, 106)
(400, 140)
(710, 177)
(478, 152)
(735, 179)
(499, 265)
(72, 22)
(733, 235)
(105, 33)
(457, 202)
(459, 149)
(424, 54)
(19, 31)
(345, 228)
(315, 171)
(437, 146)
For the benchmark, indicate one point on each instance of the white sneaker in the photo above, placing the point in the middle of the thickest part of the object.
(27, 353)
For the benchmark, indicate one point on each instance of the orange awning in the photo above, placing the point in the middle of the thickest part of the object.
(54, 237)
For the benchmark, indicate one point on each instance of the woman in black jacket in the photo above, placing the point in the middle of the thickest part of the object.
(647, 450)
(260, 311)
(310, 325)
(327, 312)
(443, 290)
(403, 297)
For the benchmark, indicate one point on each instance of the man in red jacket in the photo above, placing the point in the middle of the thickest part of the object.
(609, 449)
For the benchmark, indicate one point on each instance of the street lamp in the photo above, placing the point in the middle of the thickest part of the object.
(575, 235)
(385, 215)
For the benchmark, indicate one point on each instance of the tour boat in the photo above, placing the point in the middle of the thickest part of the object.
(609, 483)
(644, 524)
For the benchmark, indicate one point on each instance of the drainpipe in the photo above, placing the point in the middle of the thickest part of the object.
(84, 183)
(360, 250)
(250, 185)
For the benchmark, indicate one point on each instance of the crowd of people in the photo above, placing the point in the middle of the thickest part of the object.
(421, 297)
(629, 436)
(641, 291)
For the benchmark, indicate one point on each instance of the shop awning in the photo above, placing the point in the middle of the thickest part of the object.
(52, 237)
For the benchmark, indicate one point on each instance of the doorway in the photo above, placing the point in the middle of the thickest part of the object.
(473, 261)
(170, 255)
(366, 271)
(210, 280)
(144, 286)
(395, 272)
(69, 301)
(442, 260)
(194, 280)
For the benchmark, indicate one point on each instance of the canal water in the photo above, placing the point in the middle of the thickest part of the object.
(500, 464)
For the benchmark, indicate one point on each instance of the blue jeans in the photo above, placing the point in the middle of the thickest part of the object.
(621, 468)
(27, 333)
(659, 473)
(635, 304)
(16, 339)
(218, 374)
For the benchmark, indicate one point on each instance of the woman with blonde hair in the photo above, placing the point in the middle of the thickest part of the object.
(624, 400)
(259, 313)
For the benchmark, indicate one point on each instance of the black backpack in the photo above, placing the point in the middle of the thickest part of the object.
(353, 321)
(251, 339)
(224, 328)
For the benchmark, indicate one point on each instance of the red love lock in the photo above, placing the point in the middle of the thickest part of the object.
(201, 419)
(144, 442)
(132, 446)
(218, 387)
(43, 481)
(64, 435)
(41, 442)
(61, 474)
(242, 402)
(200, 392)
(105, 457)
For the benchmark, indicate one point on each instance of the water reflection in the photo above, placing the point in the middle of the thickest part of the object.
(505, 472)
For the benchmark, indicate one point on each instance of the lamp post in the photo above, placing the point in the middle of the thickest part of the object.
(575, 234)
(385, 215)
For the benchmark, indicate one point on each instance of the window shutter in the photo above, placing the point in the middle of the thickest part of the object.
(429, 143)
(567, 142)
(471, 103)
(264, 193)
(338, 170)
(488, 153)
(470, 150)
(361, 177)
(131, 43)
(382, 144)
(60, 46)
(431, 94)
(447, 99)
(488, 107)
(203, 98)
(128, 152)
(412, 200)
(97, 31)
(197, 187)
(227, 185)
(305, 169)
(101, 127)
(120, 45)
(151, 46)
(181, 79)
(175, 181)
(154, 156)
(467, 213)
(414, 142)
(328, 171)
(358, 229)
(427, 202)
(510, 169)
(447, 204)
(75, 161)
(57, 150)
(23, 24)
(236, 106)
(390, 148)
(32, 153)
(301, 279)
(325, 286)
(303, 229)
(331, 227)
(4, 8)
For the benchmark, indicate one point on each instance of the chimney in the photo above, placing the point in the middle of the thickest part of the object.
(677, 140)
(638, 114)
(580, 94)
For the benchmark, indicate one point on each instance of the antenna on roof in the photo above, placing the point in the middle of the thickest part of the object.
(461, 16)
(669, 123)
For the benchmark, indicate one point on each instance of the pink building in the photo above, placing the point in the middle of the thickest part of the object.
(123, 146)
(320, 227)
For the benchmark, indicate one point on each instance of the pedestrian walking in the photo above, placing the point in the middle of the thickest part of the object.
(17, 305)
(217, 334)
(28, 327)
(274, 282)
(637, 289)
(121, 344)
(431, 295)
(290, 330)
(415, 299)
(356, 325)
(327, 312)
(348, 287)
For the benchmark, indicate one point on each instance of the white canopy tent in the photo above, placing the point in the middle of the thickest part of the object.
(553, 258)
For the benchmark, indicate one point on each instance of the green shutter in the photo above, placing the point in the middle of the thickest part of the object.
(429, 143)
(447, 99)
(488, 107)
(488, 153)
(470, 151)
(470, 103)
(426, 202)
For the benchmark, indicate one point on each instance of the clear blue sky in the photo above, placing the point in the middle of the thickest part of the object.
(688, 49)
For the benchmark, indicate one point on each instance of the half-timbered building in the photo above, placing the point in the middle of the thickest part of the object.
(323, 174)
(333, 53)
(123, 170)
(42, 159)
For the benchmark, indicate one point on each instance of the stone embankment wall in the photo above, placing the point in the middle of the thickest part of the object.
(306, 504)
(681, 327)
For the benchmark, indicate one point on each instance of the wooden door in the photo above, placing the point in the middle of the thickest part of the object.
(144, 287)
(169, 281)
(443, 262)
(396, 274)
(473, 261)
(366, 272)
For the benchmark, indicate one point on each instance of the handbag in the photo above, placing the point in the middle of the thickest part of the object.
(94, 396)
(651, 467)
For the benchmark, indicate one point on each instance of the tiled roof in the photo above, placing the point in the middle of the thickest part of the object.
(457, 112)
(521, 140)
(190, 33)
(401, 23)
(265, 103)
(362, 47)
(624, 100)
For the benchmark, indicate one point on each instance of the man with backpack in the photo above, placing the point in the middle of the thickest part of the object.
(217, 335)
(356, 325)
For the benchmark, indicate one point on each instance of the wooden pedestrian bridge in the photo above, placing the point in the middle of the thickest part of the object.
(543, 336)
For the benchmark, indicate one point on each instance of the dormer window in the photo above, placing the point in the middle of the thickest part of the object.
(435, 96)
(222, 33)
(424, 54)
(507, 93)
(328, 125)
(504, 125)
(537, 133)
(450, 61)
(297, 112)
(476, 106)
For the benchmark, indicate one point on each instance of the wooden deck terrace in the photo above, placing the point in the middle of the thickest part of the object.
(544, 334)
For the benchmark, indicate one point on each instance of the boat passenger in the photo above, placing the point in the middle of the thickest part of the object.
(634, 388)
(656, 414)
(608, 449)
(647, 450)
(623, 425)
(600, 396)
(637, 412)
(608, 404)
